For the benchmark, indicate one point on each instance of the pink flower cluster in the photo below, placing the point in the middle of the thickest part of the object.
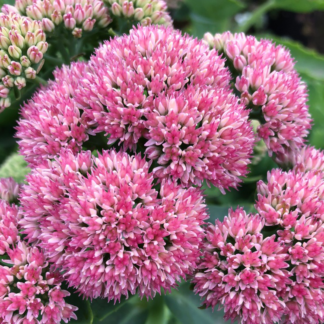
(103, 223)
(270, 86)
(242, 270)
(52, 120)
(75, 15)
(294, 202)
(171, 102)
(269, 268)
(30, 292)
(9, 189)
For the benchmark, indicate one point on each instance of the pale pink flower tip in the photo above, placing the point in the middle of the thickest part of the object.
(309, 159)
(137, 239)
(269, 86)
(292, 206)
(51, 120)
(9, 189)
(241, 270)
(167, 94)
(9, 217)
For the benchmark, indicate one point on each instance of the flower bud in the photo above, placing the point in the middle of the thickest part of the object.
(128, 9)
(48, 25)
(30, 73)
(30, 39)
(20, 83)
(8, 81)
(15, 68)
(56, 17)
(34, 54)
(239, 62)
(79, 13)
(69, 21)
(34, 12)
(16, 38)
(40, 36)
(77, 32)
(14, 52)
(116, 9)
(139, 13)
(24, 61)
(4, 42)
(42, 46)
(88, 24)
(4, 103)
(4, 92)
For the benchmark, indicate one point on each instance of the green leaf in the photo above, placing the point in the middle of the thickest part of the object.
(299, 5)
(14, 166)
(217, 212)
(84, 312)
(215, 10)
(183, 304)
(212, 16)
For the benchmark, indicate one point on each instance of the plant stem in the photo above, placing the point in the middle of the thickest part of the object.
(53, 60)
(259, 12)
(40, 80)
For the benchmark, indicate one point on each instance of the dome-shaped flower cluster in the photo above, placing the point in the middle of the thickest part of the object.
(145, 12)
(103, 223)
(75, 15)
(51, 119)
(22, 45)
(269, 85)
(9, 189)
(241, 270)
(166, 94)
(29, 291)
(292, 204)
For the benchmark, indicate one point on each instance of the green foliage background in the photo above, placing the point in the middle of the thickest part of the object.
(196, 17)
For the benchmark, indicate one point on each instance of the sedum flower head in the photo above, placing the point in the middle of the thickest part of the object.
(103, 223)
(241, 270)
(22, 45)
(292, 206)
(265, 77)
(146, 12)
(9, 189)
(166, 94)
(51, 119)
(30, 291)
(78, 16)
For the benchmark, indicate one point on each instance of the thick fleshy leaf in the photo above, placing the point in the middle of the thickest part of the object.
(184, 305)
(14, 166)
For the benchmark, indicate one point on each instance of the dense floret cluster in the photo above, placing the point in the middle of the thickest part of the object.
(104, 224)
(30, 292)
(52, 120)
(242, 270)
(265, 77)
